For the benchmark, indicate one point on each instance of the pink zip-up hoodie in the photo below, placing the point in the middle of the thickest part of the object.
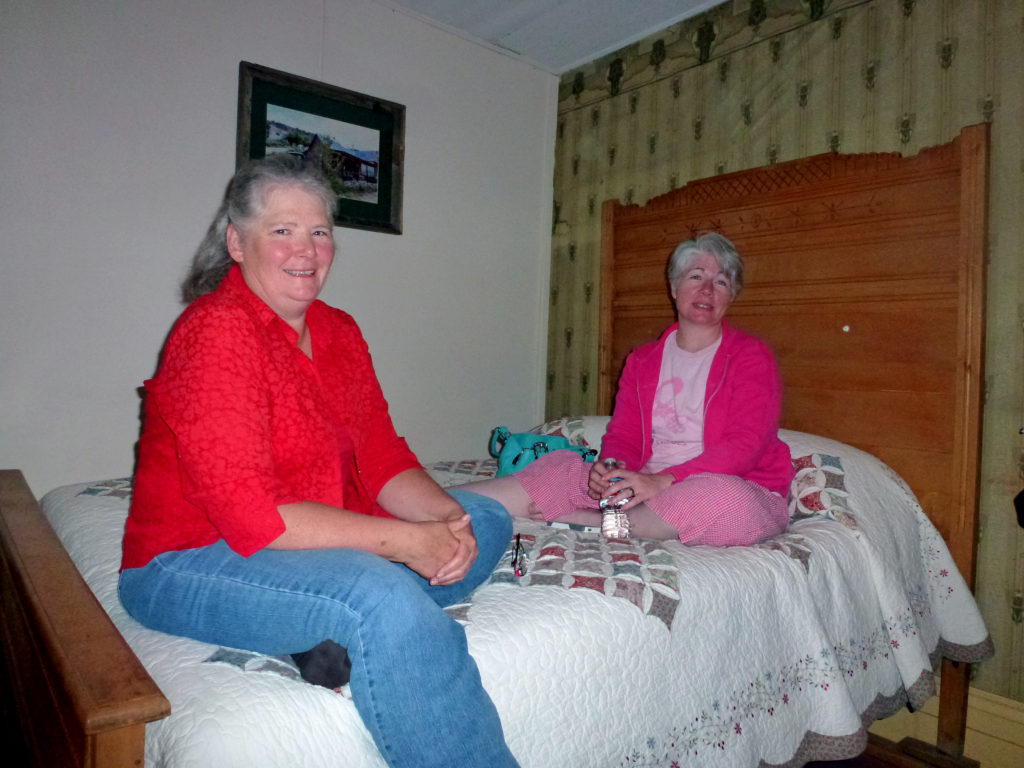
(742, 407)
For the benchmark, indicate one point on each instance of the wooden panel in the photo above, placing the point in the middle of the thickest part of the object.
(82, 696)
(865, 273)
(30, 689)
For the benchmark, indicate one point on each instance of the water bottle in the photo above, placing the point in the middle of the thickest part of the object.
(614, 522)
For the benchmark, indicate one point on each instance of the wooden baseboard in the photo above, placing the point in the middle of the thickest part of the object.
(995, 729)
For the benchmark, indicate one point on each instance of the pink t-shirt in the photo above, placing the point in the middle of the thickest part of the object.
(677, 418)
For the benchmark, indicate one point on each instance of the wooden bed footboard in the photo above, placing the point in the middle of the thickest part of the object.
(74, 694)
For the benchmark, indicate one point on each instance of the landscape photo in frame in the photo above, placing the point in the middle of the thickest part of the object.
(357, 140)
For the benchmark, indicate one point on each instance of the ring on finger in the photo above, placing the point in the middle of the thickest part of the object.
(622, 500)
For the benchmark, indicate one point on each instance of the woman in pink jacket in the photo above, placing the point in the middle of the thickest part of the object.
(692, 450)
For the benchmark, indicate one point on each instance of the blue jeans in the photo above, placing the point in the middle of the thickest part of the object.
(413, 682)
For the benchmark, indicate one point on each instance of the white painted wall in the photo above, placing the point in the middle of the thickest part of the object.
(117, 135)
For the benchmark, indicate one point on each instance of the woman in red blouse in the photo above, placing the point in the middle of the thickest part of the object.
(276, 509)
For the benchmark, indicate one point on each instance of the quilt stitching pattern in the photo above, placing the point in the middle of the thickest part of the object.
(791, 545)
(819, 490)
(249, 661)
(718, 726)
(456, 472)
(120, 488)
(638, 571)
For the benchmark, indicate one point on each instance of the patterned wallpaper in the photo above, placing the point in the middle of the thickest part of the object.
(754, 82)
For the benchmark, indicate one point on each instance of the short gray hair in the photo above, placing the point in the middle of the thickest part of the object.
(244, 201)
(714, 245)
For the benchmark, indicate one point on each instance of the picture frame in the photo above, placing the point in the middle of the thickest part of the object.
(358, 139)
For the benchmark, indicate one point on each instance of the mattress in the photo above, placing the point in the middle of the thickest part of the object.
(606, 653)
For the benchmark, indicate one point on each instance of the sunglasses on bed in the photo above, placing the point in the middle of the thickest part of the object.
(518, 556)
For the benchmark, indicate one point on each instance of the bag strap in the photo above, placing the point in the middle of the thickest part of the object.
(499, 434)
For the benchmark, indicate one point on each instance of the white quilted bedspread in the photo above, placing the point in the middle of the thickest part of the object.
(608, 654)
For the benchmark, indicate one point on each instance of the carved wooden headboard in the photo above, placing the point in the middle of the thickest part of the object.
(865, 273)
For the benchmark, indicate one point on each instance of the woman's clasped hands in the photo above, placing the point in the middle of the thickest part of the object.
(622, 486)
(442, 551)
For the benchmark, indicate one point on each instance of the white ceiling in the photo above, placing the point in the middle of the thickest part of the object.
(556, 35)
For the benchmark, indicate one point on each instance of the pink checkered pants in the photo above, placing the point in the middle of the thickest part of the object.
(718, 510)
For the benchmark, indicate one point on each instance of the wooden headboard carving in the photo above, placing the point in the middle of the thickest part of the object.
(865, 273)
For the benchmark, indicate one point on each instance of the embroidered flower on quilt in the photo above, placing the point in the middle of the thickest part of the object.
(721, 726)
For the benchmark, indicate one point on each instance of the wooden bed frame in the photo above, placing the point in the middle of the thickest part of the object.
(865, 273)
(76, 694)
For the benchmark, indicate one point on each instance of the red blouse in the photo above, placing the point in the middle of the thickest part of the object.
(238, 421)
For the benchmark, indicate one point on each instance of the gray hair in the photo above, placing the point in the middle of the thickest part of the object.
(714, 245)
(244, 201)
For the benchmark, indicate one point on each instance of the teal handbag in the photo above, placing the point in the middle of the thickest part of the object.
(515, 450)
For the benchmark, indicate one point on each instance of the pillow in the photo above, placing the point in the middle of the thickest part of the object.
(578, 430)
(819, 488)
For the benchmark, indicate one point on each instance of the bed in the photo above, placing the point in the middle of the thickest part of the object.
(865, 272)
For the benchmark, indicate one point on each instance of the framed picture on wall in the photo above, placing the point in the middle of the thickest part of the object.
(358, 140)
